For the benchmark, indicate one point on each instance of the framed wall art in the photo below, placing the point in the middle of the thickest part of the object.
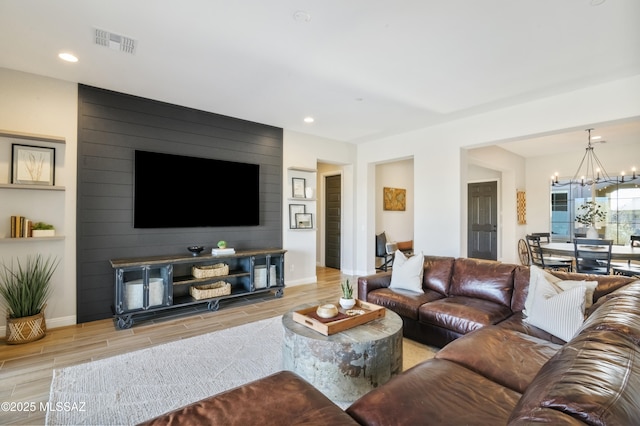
(521, 207)
(304, 220)
(33, 165)
(395, 199)
(294, 209)
(298, 185)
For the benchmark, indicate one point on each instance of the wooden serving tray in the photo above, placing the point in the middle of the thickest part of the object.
(327, 328)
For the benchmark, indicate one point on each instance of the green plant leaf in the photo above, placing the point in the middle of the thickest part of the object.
(26, 287)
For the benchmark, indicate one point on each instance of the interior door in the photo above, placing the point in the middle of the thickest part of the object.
(333, 201)
(483, 220)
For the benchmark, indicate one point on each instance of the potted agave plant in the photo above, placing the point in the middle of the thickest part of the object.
(25, 287)
(347, 301)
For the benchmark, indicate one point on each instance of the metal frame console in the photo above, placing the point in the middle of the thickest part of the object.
(149, 284)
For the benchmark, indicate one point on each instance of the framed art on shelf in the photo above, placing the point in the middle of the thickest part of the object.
(33, 165)
(294, 209)
(304, 220)
(298, 185)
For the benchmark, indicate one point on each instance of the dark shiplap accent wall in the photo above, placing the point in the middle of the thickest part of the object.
(110, 127)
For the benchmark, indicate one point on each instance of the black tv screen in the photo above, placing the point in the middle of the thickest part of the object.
(176, 191)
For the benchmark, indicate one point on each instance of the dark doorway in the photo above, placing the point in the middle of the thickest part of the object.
(483, 220)
(333, 200)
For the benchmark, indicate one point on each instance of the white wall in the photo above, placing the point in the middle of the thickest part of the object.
(305, 151)
(398, 225)
(34, 104)
(440, 166)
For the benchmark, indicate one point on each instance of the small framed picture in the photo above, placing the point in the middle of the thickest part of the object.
(298, 185)
(33, 165)
(304, 220)
(294, 209)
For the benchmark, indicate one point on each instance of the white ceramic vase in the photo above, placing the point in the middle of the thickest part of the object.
(347, 303)
(592, 233)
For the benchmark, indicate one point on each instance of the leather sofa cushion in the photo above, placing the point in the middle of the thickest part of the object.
(631, 290)
(483, 279)
(462, 314)
(515, 322)
(620, 314)
(507, 357)
(594, 378)
(404, 303)
(521, 278)
(546, 416)
(437, 392)
(606, 283)
(283, 398)
(437, 273)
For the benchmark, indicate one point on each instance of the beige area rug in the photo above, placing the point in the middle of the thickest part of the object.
(133, 387)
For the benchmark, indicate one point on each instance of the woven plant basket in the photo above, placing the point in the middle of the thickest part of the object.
(207, 291)
(26, 329)
(208, 271)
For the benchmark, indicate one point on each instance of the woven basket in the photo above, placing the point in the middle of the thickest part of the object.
(26, 329)
(208, 271)
(207, 291)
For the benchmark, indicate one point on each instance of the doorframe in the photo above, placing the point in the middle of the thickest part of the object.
(320, 244)
(498, 182)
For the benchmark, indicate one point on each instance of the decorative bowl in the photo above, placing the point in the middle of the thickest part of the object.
(195, 250)
(327, 311)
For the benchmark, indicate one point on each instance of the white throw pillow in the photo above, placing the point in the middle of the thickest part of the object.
(536, 274)
(588, 295)
(540, 275)
(406, 273)
(560, 313)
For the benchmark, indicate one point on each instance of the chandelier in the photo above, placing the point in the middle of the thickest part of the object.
(591, 171)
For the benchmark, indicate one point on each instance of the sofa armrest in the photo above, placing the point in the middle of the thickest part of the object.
(372, 282)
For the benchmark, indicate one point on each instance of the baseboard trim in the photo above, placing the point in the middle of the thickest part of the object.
(301, 281)
(51, 323)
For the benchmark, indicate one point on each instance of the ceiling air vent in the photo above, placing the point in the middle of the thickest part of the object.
(115, 41)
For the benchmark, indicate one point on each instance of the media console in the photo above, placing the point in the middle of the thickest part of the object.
(149, 284)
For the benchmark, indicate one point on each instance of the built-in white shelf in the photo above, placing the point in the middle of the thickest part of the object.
(32, 136)
(302, 169)
(36, 187)
(31, 239)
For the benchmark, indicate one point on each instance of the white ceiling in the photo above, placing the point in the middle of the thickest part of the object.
(363, 68)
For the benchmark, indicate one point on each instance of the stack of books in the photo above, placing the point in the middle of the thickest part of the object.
(20, 227)
(219, 251)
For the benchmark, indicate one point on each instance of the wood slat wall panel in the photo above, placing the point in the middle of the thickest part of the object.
(110, 127)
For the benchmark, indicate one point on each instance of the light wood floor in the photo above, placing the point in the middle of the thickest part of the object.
(26, 370)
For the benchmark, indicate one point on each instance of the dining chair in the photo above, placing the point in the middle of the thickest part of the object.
(593, 256)
(545, 237)
(381, 251)
(629, 269)
(537, 258)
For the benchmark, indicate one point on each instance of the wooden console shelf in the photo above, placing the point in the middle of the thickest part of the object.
(156, 283)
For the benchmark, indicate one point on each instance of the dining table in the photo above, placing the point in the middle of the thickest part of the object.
(618, 252)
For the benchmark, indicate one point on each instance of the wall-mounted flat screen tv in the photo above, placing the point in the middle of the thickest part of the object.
(177, 191)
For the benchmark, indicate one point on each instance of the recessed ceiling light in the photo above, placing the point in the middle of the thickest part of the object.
(68, 57)
(301, 16)
(309, 120)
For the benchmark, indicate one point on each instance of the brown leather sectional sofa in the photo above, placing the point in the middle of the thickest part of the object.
(493, 368)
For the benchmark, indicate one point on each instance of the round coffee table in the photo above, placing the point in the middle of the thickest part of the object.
(346, 365)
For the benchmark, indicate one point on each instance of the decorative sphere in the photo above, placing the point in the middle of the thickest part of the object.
(222, 244)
